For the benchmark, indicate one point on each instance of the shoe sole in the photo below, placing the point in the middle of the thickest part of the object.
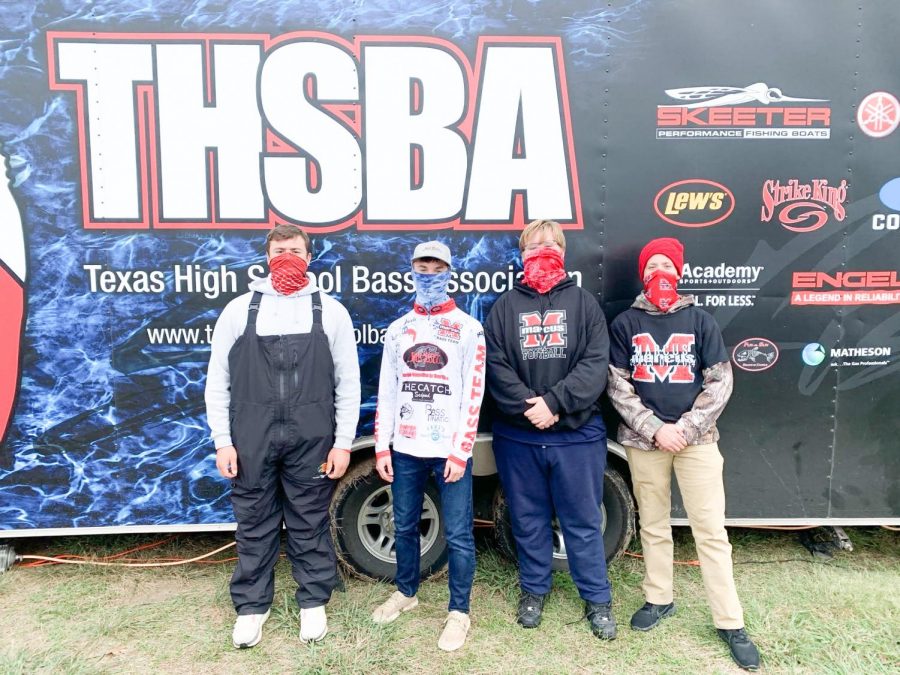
(527, 626)
(248, 645)
(396, 615)
(664, 615)
(307, 641)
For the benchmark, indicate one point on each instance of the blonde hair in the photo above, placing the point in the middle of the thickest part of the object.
(550, 226)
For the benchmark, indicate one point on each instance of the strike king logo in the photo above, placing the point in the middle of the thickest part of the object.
(845, 288)
(543, 336)
(426, 391)
(755, 354)
(425, 357)
(673, 362)
(716, 112)
(694, 202)
(245, 131)
(803, 207)
(878, 114)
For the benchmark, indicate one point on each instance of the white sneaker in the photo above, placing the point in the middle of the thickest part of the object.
(456, 627)
(248, 630)
(390, 609)
(313, 624)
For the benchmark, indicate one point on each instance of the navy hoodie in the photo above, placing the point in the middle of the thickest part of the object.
(553, 345)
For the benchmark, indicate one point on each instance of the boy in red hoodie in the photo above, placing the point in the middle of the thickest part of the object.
(669, 379)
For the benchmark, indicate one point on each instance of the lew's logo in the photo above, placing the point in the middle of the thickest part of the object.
(673, 362)
(231, 131)
(694, 203)
(717, 112)
(845, 288)
(543, 336)
(425, 357)
(803, 207)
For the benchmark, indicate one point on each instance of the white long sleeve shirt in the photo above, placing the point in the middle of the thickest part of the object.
(431, 385)
(285, 315)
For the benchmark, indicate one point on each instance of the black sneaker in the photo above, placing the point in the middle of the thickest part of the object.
(743, 651)
(528, 615)
(650, 615)
(600, 616)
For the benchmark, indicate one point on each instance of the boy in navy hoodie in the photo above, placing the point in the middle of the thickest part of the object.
(669, 379)
(547, 355)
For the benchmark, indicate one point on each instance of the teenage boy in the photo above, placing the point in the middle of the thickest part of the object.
(282, 401)
(670, 379)
(429, 399)
(548, 352)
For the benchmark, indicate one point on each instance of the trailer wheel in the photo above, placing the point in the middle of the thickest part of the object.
(362, 518)
(617, 510)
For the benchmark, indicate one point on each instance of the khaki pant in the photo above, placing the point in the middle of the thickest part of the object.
(699, 472)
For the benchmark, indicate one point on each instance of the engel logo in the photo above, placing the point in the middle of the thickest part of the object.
(803, 207)
(245, 131)
(755, 354)
(695, 202)
(845, 288)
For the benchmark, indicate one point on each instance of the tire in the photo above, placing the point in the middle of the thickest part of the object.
(617, 526)
(362, 524)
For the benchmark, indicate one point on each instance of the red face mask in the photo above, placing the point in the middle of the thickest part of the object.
(544, 268)
(288, 273)
(661, 288)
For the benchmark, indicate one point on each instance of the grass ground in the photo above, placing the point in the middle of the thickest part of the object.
(806, 617)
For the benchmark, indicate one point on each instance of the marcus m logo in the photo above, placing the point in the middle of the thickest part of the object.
(245, 131)
(673, 362)
(695, 202)
(543, 336)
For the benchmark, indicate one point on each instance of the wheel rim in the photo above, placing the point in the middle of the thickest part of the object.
(376, 525)
(559, 544)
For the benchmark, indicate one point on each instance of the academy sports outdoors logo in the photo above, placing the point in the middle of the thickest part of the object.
(12, 302)
(717, 112)
(694, 202)
(803, 207)
(673, 362)
(878, 114)
(543, 336)
(246, 131)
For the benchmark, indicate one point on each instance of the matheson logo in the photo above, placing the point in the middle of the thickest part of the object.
(695, 202)
(803, 207)
(717, 112)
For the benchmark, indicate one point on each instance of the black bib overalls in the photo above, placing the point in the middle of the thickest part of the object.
(282, 425)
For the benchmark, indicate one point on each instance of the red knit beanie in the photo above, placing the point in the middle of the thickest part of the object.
(669, 247)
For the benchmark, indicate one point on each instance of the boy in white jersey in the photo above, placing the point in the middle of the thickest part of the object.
(429, 398)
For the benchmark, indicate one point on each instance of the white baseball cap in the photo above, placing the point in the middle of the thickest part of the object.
(433, 249)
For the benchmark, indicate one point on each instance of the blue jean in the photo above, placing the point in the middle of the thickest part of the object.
(540, 480)
(410, 475)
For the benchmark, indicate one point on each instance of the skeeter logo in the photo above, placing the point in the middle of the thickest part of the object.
(694, 202)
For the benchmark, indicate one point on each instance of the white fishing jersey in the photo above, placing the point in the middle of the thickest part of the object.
(431, 385)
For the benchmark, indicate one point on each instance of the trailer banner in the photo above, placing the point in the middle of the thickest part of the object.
(148, 147)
